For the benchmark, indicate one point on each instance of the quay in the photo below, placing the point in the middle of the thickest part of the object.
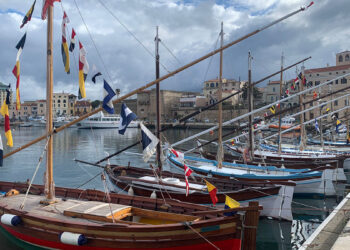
(334, 232)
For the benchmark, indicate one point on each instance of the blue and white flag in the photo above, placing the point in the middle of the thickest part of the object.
(108, 94)
(1, 151)
(316, 126)
(149, 142)
(126, 116)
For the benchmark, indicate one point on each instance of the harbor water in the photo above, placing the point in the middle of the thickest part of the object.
(93, 145)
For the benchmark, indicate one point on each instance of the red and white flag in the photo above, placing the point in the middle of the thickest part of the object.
(46, 4)
(188, 172)
(179, 155)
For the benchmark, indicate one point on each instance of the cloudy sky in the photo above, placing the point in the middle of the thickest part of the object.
(188, 29)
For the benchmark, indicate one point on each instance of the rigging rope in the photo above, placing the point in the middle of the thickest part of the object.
(132, 34)
(98, 52)
(35, 172)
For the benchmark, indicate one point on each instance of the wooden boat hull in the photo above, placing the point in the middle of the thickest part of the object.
(315, 184)
(275, 199)
(43, 225)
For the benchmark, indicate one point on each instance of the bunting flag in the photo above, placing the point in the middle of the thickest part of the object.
(108, 94)
(293, 87)
(46, 4)
(266, 114)
(126, 116)
(337, 125)
(188, 172)
(94, 77)
(348, 137)
(83, 70)
(302, 78)
(230, 203)
(212, 192)
(149, 142)
(296, 82)
(286, 92)
(272, 109)
(327, 110)
(233, 142)
(179, 155)
(28, 16)
(16, 69)
(64, 45)
(314, 95)
(72, 41)
(5, 113)
(316, 126)
(1, 152)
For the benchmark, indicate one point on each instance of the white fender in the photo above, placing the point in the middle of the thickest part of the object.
(10, 219)
(73, 239)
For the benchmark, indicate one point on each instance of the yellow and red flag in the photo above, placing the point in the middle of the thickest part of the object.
(4, 111)
(83, 70)
(64, 45)
(28, 16)
(212, 192)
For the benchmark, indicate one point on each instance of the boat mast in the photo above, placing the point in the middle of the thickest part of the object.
(220, 152)
(158, 125)
(279, 110)
(250, 107)
(301, 101)
(50, 194)
(320, 127)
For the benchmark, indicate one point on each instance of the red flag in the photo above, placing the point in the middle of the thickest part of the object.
(46, 4)
(188, 172)
(212, 192)
(315, 95)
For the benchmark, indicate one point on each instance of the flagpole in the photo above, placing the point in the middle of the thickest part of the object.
(158, 125)
(301, 100)
(49, 184)
(320, 127)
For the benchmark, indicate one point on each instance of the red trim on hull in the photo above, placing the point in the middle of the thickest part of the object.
(231, 244)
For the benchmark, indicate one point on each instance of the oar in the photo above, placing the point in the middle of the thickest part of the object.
(158, 80)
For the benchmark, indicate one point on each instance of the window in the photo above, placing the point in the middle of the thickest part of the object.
(212, 85)
(340, 58)
(336, 81)
(336, 103)
(64, 105)
(41, 105)
(336, 72)
(271, 98)
(311, 115)
(330, 73)
(58, 105)
(347, 58)
(64, 101)
(207, 85)
(343, 80)
(59, 101)
(317, 74)
(273, 89)
(317, 83)
(217, 84)
(345, 102)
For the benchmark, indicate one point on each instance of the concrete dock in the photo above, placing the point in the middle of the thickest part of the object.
(334, 232)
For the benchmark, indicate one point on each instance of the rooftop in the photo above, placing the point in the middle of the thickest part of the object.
(327, 69)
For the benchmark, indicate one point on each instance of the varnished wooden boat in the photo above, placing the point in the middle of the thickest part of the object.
(139, 222)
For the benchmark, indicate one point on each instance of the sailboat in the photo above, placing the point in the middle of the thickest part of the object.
(61, 218)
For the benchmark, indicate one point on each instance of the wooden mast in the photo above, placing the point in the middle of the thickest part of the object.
(280, 108)
(321, 129)
(159, 162)
(301, 101)
(220, 152)
(50, 194)
(250, 107)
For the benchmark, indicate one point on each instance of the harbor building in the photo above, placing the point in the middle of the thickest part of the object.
(82, 107)
(63, 104)
(229, 86)
(147, 103)
(317, 76)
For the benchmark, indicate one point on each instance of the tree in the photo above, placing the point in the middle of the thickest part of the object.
(256, 92)
(95, 104)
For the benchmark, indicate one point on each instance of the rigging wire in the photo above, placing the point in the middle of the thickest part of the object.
(161, 42)
(98, 52)
(211, 59)
(132, 34)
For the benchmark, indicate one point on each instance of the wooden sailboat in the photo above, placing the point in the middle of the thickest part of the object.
(59, 218)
